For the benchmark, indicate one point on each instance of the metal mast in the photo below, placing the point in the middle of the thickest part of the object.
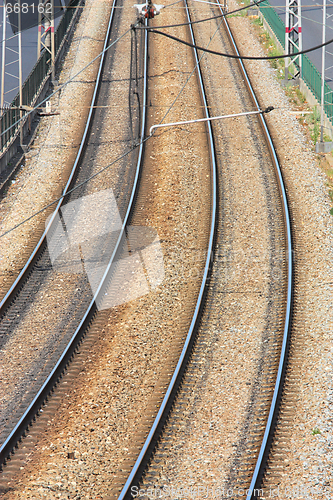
(293, 38)
(324, 146)
(46, 31)
(11, 57)
(3, 60)
(19, 34)
(323, 54)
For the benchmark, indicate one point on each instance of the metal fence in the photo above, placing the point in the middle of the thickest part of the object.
(274, 21)
(310, 73)
(34, 82)
(64, 23)
(312, 78)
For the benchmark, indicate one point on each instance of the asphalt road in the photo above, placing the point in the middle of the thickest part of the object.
(312, 22)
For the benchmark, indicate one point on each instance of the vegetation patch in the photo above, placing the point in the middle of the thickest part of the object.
(269, 46)
(241, 13)
(327, 166)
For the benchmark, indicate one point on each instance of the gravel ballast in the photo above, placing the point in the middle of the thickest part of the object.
(200, 451)
(113, 398)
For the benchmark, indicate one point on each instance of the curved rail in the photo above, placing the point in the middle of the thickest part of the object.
(20, 428)
(270, 426)
(156, 428)
(164, 408)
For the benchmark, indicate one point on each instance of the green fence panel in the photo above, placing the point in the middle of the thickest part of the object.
(328, 105)
(274, 21)
(35, 79)
(312, 78)
(64, 23)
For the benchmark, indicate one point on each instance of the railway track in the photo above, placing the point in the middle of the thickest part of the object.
(40, 272)
(51, 172)
(153, 471)
(255, 486)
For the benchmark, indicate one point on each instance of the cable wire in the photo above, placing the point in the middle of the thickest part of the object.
(233, 56)
(190, 75)
(130, 150)
(134, 27)
(65, 83)
(173, 3)
(74, 188)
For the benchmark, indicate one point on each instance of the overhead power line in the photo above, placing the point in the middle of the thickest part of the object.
(149, 137)
(233, 56)
(45, 207)
(63, 85)
(119, 157)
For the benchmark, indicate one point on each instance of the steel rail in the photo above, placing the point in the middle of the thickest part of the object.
(270, 425)
(21, 426)
(163, 410)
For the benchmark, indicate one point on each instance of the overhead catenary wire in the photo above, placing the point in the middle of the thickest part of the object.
(133, 146)
(226, 14)
(204, 50)
(63, 85)
(130, 150)
(316, 22)
(34, 24)
(174, 38)
(173, 3)
(234, 56)
(74, 188)
(132, 27)
(190, 75)
(134, 57)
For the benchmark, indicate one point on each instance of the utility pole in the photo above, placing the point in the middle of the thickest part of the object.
(11, 68)
(52, 42)
(20, 71)
(293, 39)
(323, 147)
(323, 56)
(3, 60)
(46, 39)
